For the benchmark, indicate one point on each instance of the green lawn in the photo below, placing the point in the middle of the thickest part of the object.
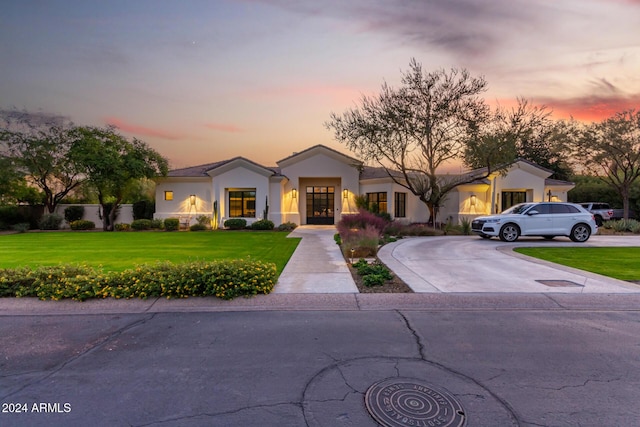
(619, 263)
(119, 250)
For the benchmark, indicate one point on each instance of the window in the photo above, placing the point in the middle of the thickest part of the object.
(242, 204)
(377, 202)
(168, 195)
(563, 209)
(510, 198)
(400, 205)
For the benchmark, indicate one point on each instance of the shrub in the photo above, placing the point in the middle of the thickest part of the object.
(361, 220)
(225, 279)
(623, 225)
(337, 239)
(141, 224)
(122, 226)
(364, 242)
(373, 280)
(372, 274)
(204, 220)
(156, 224)
(73, 213)
(10, 215)
(21, 227)
(465, 225)
(287, 226)
(198, 227)
(171, 224)
(235, 223)
(82, 224)
(143, 209)
(418, 230)
(262, 224)
(50, 222)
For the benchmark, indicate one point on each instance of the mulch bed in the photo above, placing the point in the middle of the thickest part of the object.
(393, 286)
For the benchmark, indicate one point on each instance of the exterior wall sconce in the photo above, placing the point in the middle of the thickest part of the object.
(345, 193)
(192, 199)
(472, 201)
(294, 194)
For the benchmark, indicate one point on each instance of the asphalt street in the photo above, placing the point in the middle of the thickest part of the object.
(514, 360)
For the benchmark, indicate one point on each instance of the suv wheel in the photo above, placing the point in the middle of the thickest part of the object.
(509, 233)
(580, 233)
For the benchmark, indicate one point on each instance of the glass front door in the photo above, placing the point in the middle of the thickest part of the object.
(320, 205)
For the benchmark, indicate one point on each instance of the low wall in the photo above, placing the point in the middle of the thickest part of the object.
(92, 213)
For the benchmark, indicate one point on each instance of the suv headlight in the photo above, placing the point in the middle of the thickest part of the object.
(492, 220)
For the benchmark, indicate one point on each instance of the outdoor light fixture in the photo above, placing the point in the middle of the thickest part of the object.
(294, 194)
(192, 199)
(345, 193)
(473, 200)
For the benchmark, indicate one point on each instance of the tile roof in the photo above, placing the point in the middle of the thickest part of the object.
(201, 170)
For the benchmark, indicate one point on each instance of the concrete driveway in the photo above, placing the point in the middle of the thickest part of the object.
(472, 264)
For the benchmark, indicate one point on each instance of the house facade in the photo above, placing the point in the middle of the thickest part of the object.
(319, 185)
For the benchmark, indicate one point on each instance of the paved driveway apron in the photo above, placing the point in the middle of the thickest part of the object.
(471, 264)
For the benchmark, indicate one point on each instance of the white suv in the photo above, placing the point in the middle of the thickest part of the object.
(538, 219)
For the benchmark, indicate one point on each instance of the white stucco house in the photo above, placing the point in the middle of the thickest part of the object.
(318, 186)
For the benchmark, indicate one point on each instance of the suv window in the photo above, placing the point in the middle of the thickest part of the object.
(563, 209)
(542, 208)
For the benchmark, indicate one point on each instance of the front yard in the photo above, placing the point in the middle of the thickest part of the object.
(82, 265)
(120, 251)
(617, 262)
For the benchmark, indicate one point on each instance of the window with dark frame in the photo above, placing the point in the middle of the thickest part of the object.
(511, 198)
(168, 195)
(400, 205)
(242, 204)
(377, 202)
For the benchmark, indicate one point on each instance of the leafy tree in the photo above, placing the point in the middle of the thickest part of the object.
(111, 163)
(526, 132)
(413, 130)
(611, 150)
(38, 145)
(10, 179)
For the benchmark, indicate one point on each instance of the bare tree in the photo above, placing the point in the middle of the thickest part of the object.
(611, 150)
(413, 130)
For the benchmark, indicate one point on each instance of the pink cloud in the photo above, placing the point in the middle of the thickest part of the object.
(223, 127)
(141, 130)
(592, 108)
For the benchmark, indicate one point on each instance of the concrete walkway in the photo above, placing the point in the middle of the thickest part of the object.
(317, 265)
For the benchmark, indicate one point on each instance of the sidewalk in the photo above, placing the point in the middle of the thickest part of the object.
(317, 265)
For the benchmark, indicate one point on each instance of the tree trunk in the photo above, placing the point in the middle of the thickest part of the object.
(625, 202)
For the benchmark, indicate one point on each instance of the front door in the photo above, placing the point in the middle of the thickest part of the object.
(320, 205)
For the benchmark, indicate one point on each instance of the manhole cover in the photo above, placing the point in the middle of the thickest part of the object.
(559, 283)
(410, 402)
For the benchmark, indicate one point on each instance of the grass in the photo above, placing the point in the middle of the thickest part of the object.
(617, 262)
(118, 251)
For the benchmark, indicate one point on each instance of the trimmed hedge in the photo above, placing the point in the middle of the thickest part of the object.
(141, 224)
(236, 223)
(82, 224)
(171, 224)
(262, 224)
(223, 279)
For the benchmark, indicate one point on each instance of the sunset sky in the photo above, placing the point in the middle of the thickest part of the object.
(202, 81)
